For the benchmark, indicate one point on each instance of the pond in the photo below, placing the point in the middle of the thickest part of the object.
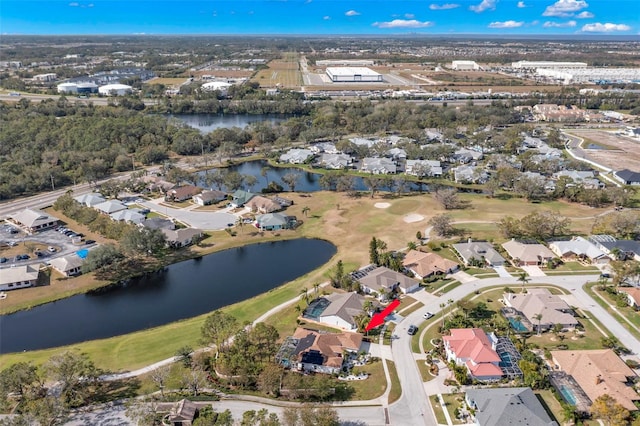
(207, 123)
(182, 290)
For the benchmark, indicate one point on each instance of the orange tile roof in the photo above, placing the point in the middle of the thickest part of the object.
(471, 343)
(425, 264)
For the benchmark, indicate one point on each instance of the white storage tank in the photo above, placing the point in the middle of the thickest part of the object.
(115, 90)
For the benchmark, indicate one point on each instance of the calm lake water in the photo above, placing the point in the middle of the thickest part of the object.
(182, 290)
(209, 122)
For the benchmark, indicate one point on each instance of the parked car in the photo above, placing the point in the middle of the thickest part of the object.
(51, 249)
(25, 256)
(427, 315)
(13, 231)
(412, 330)
(3, 260)
(89, 242)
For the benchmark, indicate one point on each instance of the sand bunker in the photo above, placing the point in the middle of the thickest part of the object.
(382, 205)
(410, 218)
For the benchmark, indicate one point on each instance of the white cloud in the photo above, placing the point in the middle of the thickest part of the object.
(604, 28)
(585, 15)
(352, 13)
(445, 6)
(485, 5)
(506, 24)
(521, 4)
(326, 18)
(550, 24)
(565, 8)
(74, 4)
(409, 15)
(403, 23)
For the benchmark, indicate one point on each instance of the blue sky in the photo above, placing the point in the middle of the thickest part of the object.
(500, 17)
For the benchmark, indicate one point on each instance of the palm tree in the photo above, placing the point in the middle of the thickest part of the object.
(361, 321)
(305, 211)
(367, 306)
(538, 317)
(442, 306)
(524, 279)
(316, 286)
(304, 295)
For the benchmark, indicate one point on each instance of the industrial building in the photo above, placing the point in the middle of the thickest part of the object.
(353, 75)
(345, 63)
(115, 90)
(464, 65)
(220, 86)
(592, 75)
(45, 77)
(84, 88)
(547, 64)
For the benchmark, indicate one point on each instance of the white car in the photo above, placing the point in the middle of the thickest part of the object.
(427, 315)
(52, 249)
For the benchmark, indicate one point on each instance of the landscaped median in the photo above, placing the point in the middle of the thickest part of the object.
(626, 316)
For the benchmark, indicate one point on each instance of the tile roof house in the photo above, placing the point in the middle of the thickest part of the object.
(507, 406)
(181, 237)
(473, 348)
(90, 199)
(158, 223)
(19, 277)
(321, 352)
(182, 193)
(110, 206)
(275, 222)
(335, 161)
(260, 204)
(527, 254)
(206, 198)
(579, 248)
(296, 156)
(426, 167)
(383, 278)
(129, 215)
(342, 310)
(627, 177)
(633, 296)
(31, 220)
(68, 265)
(423, 264)
(540, 301)
(470, 174)
(378, 166)
(479, 250)
(599, 372)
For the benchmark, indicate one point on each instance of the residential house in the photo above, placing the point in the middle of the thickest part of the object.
(31, 220)
(341, 310)
(378, 166)
(465, 156)
(469, 174)
(206, 198)
(507, 406)
(474, 349)
(68, 265)
(336, 161)
(324, 147)
(90, 199)
(240, 198)
(182, 413)
(284, 202)
(157, 184)
(158, 223)
(527, 254)
(369, 143)
(627, 177)
(318, 351)
(578, 248)
(599, 372)
(296, 156)
(423, 264)
(478, 250)
(423, 168)
(19, 277)
(628, 249)
(397, 154)
(110, 206)
(383, 281)
(181, 237)
(263, 205)
(539, 301)
(633, 296)
(130, 215)
(182, 193)
(275, 222)
(434, 135)
(587, 179)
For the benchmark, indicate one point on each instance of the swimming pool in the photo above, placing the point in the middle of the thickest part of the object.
(517, 325)
(568, 395)
(82, 254)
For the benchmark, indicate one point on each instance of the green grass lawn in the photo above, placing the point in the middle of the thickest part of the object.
(574, 267)
(396, 389)
(424, 371)
(453, 401)
(437, 285)
(550, 404)
(450, 287)
(409, 309)
(374, 386)
(438, 409)
(604, 299)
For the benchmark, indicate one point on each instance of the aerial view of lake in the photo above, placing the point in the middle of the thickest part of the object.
(209, 122)
(182, 290)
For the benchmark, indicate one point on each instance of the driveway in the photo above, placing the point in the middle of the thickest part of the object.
(463, 277)
(200, 220)
(502, 272)
(533, 271)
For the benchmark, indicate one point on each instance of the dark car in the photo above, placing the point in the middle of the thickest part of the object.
(412, 330)
(3, 260)
(25, 256)
(89, 242)
(13, 231)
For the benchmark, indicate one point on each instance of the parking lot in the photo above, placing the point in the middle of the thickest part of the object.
(40, 247)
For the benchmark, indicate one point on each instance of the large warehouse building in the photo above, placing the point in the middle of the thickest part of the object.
(547, 64)
(464, 65)
(592, 75)
(345, 63)
(353, 75)
(115, 90)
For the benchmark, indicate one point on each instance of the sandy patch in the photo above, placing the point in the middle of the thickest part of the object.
(411, 218)
(382, 205)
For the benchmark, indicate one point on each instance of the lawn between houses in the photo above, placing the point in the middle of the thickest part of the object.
(347, 222)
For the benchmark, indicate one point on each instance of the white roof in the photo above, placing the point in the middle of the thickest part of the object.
(66, 263)
(32, 218)
(110, 206)
(19, 273)
(115, 86)
(347, 71)
(216, 85)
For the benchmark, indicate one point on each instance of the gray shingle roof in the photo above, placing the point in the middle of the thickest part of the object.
(508, 406)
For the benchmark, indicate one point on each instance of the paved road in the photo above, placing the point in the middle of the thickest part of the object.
(208, 220)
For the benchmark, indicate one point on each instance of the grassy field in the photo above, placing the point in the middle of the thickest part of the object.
(347, 222)
(396, 389)
(453, 401)
(281, 73)
(374, 386)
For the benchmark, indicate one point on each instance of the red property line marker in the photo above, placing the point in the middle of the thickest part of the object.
(378, 319)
